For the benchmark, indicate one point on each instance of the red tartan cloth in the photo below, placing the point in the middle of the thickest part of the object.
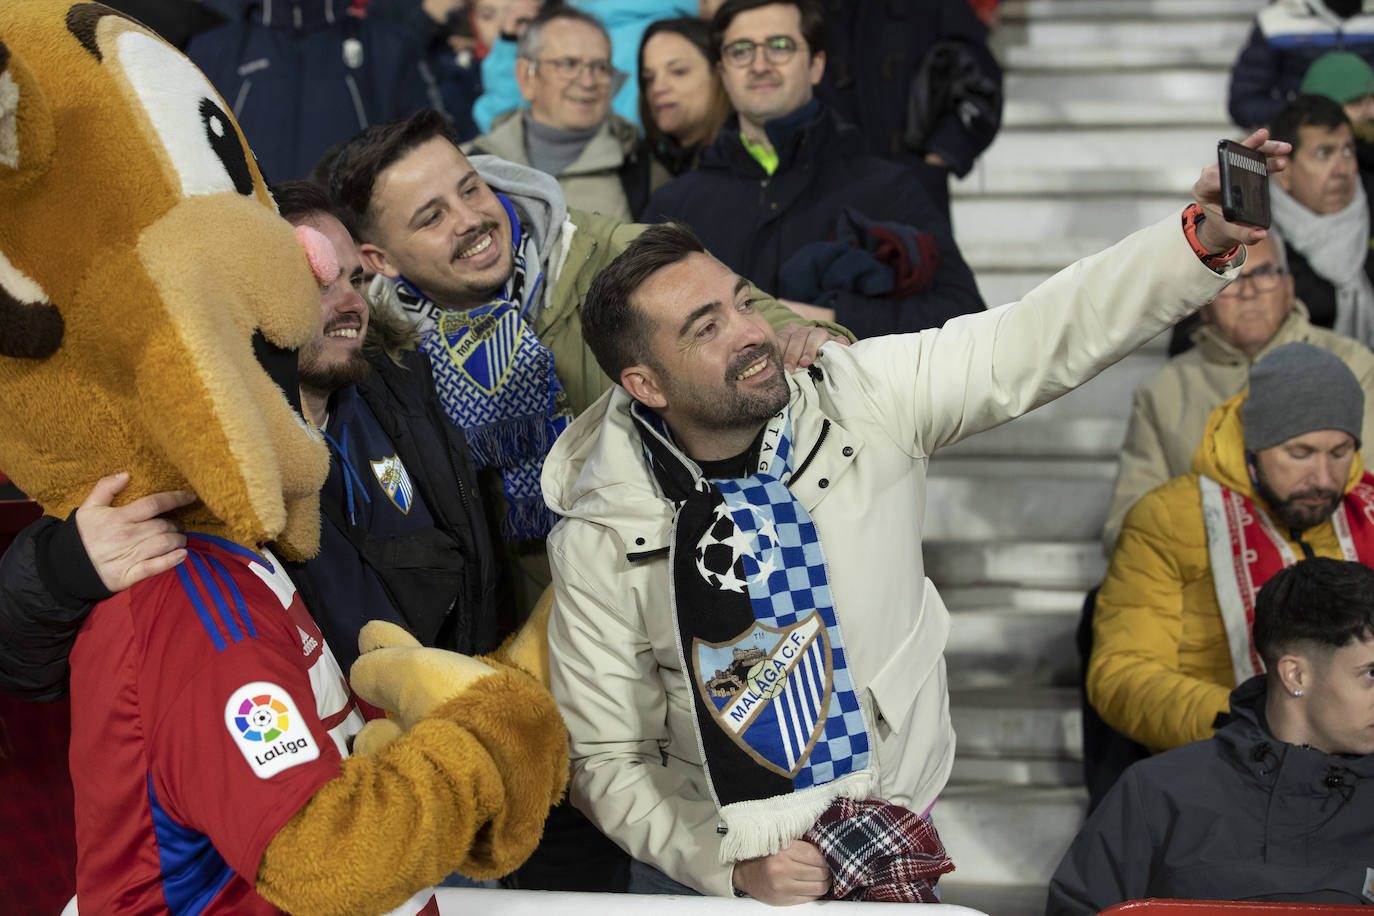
(37, 830)
(879, 852)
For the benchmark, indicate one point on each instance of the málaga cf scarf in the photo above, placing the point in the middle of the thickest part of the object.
(778, 719)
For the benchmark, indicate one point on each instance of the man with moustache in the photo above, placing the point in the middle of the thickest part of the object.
(744, 645)
(1277, 478)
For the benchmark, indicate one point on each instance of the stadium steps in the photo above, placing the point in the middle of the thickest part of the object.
(1113, 106)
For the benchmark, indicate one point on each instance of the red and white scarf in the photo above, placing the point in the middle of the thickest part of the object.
(1245, 550)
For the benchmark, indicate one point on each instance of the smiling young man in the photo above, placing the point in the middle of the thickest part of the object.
(744, 645)
(1277, 805)
(1322, 207)
(1277, 477)
(568, 131)
(1252, 317)
(785, 176)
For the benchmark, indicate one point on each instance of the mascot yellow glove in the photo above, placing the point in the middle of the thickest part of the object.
(395, 673)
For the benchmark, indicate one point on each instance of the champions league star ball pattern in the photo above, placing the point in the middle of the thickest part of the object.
(262, 718)
(731, 559)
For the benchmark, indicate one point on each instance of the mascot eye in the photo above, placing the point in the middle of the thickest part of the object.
(219, 131)
(186, 116)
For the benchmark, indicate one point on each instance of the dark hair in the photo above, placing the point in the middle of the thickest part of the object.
(812, 22)
(1306, 111)
(357, 165)
(298, 199)
(615, 331)
(1320, 600)
(532, 39)
(698, 33)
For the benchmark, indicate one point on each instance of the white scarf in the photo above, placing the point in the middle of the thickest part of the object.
(1335, 245)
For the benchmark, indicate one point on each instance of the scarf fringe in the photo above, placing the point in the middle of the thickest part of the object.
(509, 442)
(760, 827)
(528, 518)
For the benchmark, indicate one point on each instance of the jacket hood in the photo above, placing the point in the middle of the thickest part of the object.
(596, 472)
(1250, 746)
(1217, 349)
(1221, 456)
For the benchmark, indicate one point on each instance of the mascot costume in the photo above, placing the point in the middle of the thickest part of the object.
(151, 301)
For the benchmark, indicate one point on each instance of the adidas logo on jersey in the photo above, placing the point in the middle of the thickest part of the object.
(308, 643)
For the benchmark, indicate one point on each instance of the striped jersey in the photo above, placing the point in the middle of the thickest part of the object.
(206, 710)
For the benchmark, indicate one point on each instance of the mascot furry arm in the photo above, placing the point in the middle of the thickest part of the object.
(151, 301)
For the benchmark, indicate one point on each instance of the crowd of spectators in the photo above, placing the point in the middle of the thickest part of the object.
(487, 163)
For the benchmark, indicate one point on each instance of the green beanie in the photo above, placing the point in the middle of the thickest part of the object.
(1340, 76)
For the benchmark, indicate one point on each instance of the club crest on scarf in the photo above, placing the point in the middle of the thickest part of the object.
(770, 689)
(394, 481)
(482, 342)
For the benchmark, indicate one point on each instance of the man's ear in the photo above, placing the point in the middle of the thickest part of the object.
(375, 261)
(524, 78)
(642, 384)
(817, 67)
(1283, 179)
(1292, 672)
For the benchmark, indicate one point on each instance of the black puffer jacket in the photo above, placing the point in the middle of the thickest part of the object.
(1240, 816)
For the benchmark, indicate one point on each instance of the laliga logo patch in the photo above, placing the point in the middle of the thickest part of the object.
(267, 729)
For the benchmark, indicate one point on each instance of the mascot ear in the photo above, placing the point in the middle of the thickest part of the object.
(30, 327)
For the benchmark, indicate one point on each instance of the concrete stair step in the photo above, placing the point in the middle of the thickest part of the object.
(1178, 84)
(1006, 648)
(1047, 255)
(1149, 57)
(1141, 32)
(990, 219)
(1010, 183)
(1014, 11)
(1045, 564)
(1008, 835)
(1010, 598)
(1001, 899)
(1058, 113)
(1019, 772)
(978, 499)
(1035, 722)
(1109, 148)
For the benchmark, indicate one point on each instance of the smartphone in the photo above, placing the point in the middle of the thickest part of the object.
(1244, 184)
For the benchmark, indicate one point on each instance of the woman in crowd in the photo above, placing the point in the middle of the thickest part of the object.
(682, 103)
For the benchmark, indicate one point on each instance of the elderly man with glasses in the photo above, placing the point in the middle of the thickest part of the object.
(793, 198)
(568, 131)
(1253, 316)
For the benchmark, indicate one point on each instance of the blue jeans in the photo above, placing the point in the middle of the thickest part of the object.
(645, 879)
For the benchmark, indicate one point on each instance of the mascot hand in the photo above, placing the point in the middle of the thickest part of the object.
(528, 648)
(374, 736)
(399, 675)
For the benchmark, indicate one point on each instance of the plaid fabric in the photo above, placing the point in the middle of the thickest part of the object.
(880, 852)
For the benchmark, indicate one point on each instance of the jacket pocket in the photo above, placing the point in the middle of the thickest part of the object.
(911, 664)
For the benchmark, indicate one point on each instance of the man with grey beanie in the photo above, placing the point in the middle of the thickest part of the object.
(1277, 479)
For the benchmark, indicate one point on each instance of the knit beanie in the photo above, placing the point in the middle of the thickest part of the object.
(1299, 388)
(1340, 76)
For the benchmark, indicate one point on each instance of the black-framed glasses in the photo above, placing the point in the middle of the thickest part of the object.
(570, 68)
(1261, 280)
(777, 49)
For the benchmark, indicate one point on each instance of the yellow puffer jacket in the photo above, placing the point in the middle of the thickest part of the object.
(1160, 668)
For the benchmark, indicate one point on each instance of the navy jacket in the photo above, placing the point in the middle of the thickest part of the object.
(1289, 35)
(303, 75)
(753, 223)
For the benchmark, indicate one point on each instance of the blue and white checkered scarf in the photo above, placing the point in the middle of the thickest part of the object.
(778, 719)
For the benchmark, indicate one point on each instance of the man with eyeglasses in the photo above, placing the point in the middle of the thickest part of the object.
(1277, 478)
(1249, 319)
(568, 131)
(791, 197)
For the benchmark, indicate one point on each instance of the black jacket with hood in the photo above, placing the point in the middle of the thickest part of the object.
(1240, 816)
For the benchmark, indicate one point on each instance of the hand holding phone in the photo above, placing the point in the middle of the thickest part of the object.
(1244, 184)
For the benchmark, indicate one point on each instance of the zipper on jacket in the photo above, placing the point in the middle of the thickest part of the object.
(474, 581)
(820, 440)
(1307, 551)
